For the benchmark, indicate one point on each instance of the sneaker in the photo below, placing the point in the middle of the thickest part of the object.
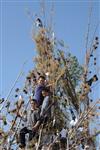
(21, 145)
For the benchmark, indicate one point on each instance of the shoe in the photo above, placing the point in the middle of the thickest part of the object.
(31, 146)
(21, 146)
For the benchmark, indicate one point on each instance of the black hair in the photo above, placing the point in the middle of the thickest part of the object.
(46, 90)
(33, 100)
(43, 77)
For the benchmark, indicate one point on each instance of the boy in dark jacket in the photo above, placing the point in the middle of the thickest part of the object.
(38, 90)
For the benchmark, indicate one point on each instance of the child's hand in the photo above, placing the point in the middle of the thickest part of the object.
(34, 128)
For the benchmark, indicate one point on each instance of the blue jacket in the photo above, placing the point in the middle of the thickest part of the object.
(38, 94)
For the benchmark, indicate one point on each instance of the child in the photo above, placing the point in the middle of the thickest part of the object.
(46, 102)
(31, 125)
(38, 90)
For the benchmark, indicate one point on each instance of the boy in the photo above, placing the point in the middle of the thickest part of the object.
(31, 125)
(45, 110)
(38, 90)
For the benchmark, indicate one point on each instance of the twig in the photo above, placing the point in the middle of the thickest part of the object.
(81, 119)
(91, 50)
(19, 75)
(53, 142)
(88, 30)
(40, 137)
(17, 125)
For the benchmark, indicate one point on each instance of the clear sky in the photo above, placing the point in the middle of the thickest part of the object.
(70, 21)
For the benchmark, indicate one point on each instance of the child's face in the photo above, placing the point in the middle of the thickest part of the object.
(33, 104)
(44, 93)
(41, 81)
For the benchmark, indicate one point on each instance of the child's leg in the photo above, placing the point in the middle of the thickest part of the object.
(22, 136)
(31, 134)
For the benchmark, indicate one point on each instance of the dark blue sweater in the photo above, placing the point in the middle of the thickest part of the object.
(38, 94)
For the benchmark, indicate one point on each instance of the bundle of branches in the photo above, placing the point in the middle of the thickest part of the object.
(56, 66)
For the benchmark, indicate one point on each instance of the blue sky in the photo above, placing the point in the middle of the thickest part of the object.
(70, 24)
(16, 46)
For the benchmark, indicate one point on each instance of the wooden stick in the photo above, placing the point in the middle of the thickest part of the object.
(19, 75)
(40, 135)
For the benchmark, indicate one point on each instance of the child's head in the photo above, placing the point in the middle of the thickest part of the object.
(41, 80)
(45, 92)
(33, 103)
